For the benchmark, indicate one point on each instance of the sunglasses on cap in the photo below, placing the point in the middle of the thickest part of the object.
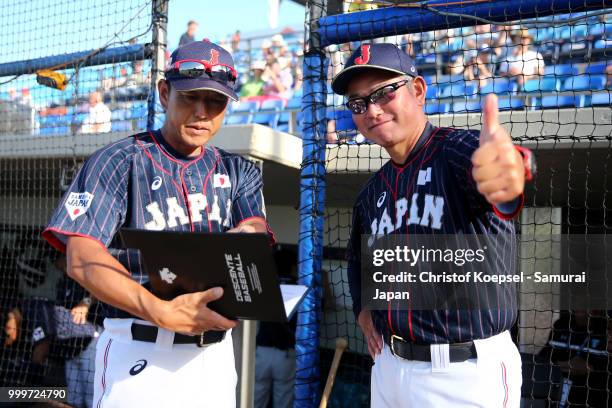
(192, 68)
(380, 96)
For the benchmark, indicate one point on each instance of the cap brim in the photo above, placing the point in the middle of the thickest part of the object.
(341, 81)
(198, 84)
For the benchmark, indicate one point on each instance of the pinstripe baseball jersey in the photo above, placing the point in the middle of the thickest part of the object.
(433, 192)
(142, 182)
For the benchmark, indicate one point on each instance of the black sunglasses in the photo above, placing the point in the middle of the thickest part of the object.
(196, 68)
(380, 96)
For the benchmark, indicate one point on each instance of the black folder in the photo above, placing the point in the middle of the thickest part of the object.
(242, 264)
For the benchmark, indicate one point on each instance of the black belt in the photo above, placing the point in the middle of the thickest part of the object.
(459, 352)
(147, 333)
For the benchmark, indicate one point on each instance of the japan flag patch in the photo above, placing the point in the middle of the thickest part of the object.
(77, 204)
(221, 181)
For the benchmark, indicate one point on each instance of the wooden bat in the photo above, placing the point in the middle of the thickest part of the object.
(341, 345)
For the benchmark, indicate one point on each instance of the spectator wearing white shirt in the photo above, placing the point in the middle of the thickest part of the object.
(522, 63)
(98, 119)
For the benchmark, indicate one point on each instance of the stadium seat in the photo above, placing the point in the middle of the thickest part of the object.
(499, 86)
(269, 112)
(121, 126)
(294, 104)
(543, 84)
(457, 90)
(466, 106)
(558, 101)
(434, 108)
(601, 98)
(596, 68)
(585, 82)
(242, 113)
(137, 111)
(432, 91)
(510, 104)
(602, 44)
(563, 70)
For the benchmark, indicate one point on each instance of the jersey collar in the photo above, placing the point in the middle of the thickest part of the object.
(425, 135)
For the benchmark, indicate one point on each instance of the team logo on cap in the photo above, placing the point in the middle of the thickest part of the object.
(214, 57)
(77, 204)
(364, 58)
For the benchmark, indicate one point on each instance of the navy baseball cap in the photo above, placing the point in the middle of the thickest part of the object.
(383, 56)
(217, 57)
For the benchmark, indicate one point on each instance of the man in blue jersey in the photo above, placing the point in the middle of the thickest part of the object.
(438, 181)
(155, 352)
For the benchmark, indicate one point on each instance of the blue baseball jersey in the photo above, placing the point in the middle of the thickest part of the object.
(142, 182)
(433, 192)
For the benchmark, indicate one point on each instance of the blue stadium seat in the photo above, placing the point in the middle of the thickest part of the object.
(345, 123)
(432, 91)
(119, 114)
(510, 104)
(141, 124)
(584, 83)
(596, 68)
(602, 44)
(121, 126)
(137, 111)
(242, 113)
(543, 84)
(601, 98)
(456, 90)
(466, 106)
(499, 86)
(563, 70)
(269, 112)
(294, 104)
(434, 108)
(597, 30)
(558, 101)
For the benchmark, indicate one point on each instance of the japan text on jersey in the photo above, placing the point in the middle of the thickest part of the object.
(433, 192)
(141, 182)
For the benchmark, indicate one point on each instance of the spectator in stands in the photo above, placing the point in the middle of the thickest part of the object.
(523, 63)
(278, 80)
(254, 86)
(482, 35)
(609, 76)
(138, 82)
(275, 352)
(235, 41)
(189, 35)
(98, 119)
(455, 65)
(482, 66)
(407, 44)
(297, 74)
(266, 51)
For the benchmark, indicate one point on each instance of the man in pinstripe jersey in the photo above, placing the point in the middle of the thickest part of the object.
(155, 352)
(439, 180)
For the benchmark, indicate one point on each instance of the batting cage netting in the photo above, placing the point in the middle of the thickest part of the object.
(74, 77)
(549, 64)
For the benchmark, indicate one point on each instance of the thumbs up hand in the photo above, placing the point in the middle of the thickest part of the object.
(497, 166)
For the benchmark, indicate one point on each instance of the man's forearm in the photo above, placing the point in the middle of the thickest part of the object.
(106, 279)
